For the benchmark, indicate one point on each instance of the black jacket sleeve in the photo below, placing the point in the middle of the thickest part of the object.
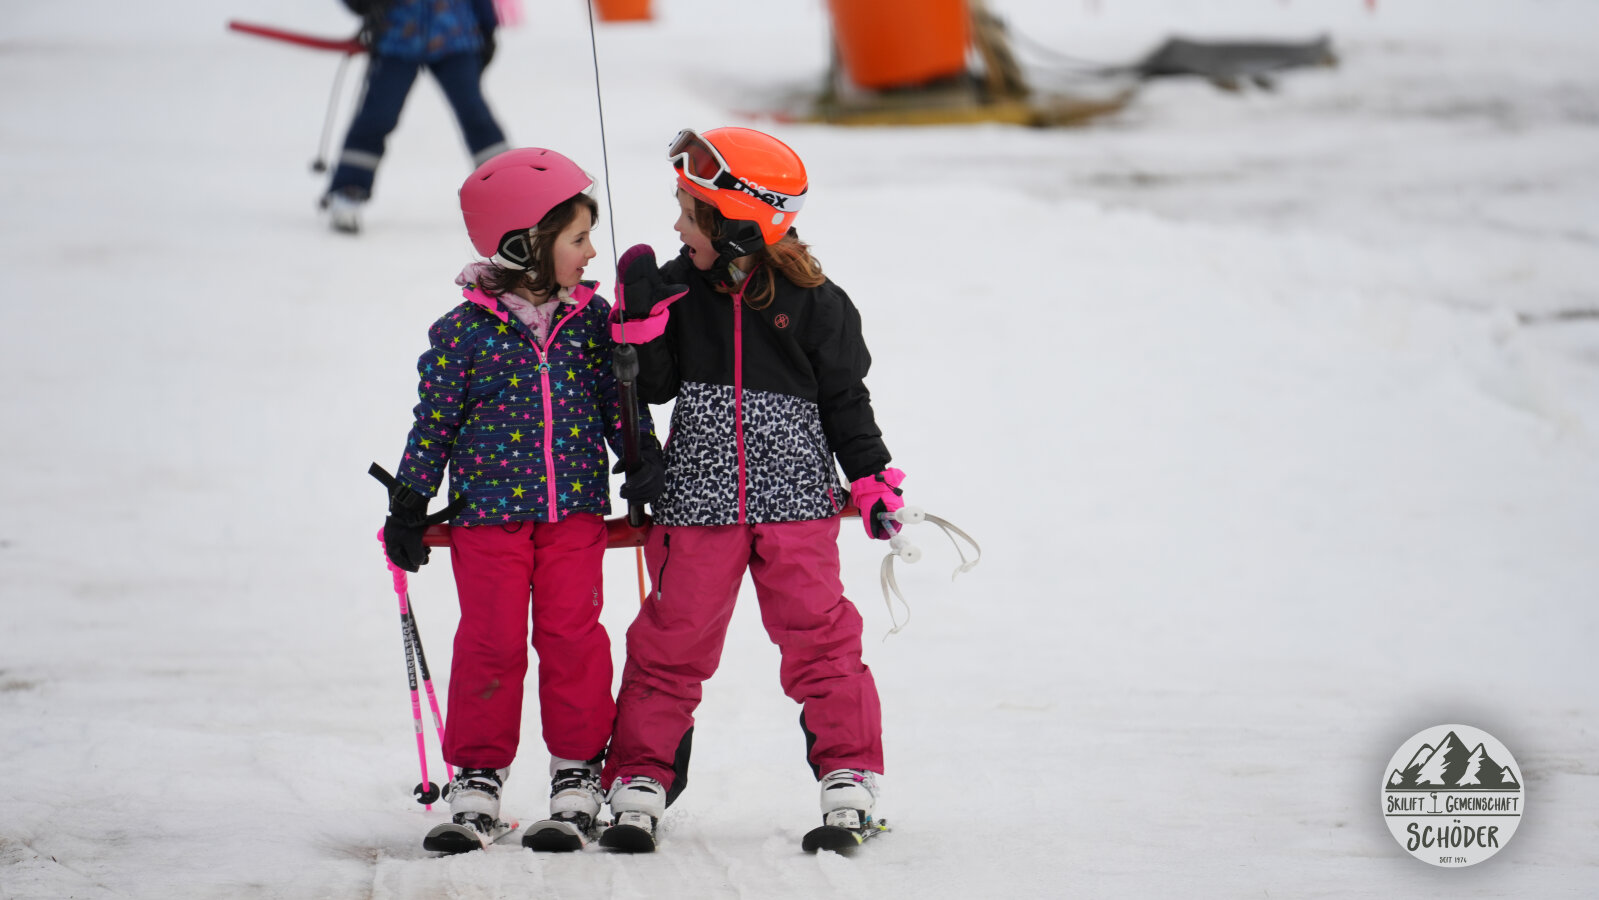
(658, 381)
(838, 355)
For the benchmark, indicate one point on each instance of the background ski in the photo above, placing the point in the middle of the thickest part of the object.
(456, 837)
(557, 836)
(839, 838)
(628, 839)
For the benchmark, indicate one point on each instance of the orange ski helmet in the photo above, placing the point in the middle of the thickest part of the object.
(749, 176)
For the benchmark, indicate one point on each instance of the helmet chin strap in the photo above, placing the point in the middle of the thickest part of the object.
(737, 239)
(719, 272)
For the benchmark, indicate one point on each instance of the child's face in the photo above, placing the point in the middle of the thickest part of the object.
(573, 249)
(699, 246)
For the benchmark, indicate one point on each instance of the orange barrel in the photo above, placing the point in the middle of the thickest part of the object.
(898, 43)
(622, 10)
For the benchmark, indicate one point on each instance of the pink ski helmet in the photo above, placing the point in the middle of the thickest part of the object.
(510, 193)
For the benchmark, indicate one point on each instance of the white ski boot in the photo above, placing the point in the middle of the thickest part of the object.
(849, 797)
(475, 822)
(344, 209)
(575, 799)
(638, 804)
(849, 806)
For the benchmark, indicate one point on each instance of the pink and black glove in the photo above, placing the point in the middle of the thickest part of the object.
(643, 297)
(876, 495)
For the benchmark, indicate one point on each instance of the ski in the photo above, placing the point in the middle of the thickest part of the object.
(557, 836)
(462, 837)
(840, 839)
(627, 837)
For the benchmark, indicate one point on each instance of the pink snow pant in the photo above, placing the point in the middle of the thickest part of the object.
(495, 565)
(676, 642)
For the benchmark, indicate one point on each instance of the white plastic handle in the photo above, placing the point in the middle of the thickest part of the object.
(904, 549)
(905, 515)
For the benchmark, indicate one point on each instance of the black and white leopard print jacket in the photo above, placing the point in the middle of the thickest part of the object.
(765, 401)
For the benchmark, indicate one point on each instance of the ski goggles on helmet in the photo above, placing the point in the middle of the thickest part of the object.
(699, 161)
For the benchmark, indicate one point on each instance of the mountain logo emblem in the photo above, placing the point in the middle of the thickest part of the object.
(1453, 795)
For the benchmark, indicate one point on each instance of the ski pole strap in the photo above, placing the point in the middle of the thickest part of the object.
(903, 548)
(383, 476)
(886, 576)
(389, 481)
(950, 531)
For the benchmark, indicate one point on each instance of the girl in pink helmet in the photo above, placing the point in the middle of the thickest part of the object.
(517, 399)
(765, 360)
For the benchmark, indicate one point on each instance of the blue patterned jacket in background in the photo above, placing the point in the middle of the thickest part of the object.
(429, 30)
(522, 426)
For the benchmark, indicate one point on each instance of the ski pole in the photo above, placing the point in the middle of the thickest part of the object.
(320, 164)
(426, 791)
(347, 46)
(427, 679)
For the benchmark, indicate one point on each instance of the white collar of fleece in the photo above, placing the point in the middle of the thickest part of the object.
(524, 308)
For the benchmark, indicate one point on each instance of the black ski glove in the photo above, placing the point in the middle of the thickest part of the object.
(641, 284)
(403, 529)
(647, 479)
(408, 521)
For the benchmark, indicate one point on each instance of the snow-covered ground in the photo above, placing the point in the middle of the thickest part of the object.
(1276, 414)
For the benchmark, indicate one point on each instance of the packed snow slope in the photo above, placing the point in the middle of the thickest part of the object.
(1276, 415)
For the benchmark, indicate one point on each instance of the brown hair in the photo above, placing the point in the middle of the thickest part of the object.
(790, 256)
(539, 278)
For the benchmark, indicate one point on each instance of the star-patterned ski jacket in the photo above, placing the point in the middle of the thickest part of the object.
(430, 30)
(765, 400)
(521, 424)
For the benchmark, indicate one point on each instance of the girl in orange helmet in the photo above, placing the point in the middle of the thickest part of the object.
(766, 362)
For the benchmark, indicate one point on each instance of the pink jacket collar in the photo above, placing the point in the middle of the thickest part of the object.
(468, 280)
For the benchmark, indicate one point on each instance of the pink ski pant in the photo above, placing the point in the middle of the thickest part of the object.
(498, 568)
(676, 642)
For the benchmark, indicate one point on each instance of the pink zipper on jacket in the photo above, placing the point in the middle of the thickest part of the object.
(582, 301)
(549, 409)
(738, 393)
